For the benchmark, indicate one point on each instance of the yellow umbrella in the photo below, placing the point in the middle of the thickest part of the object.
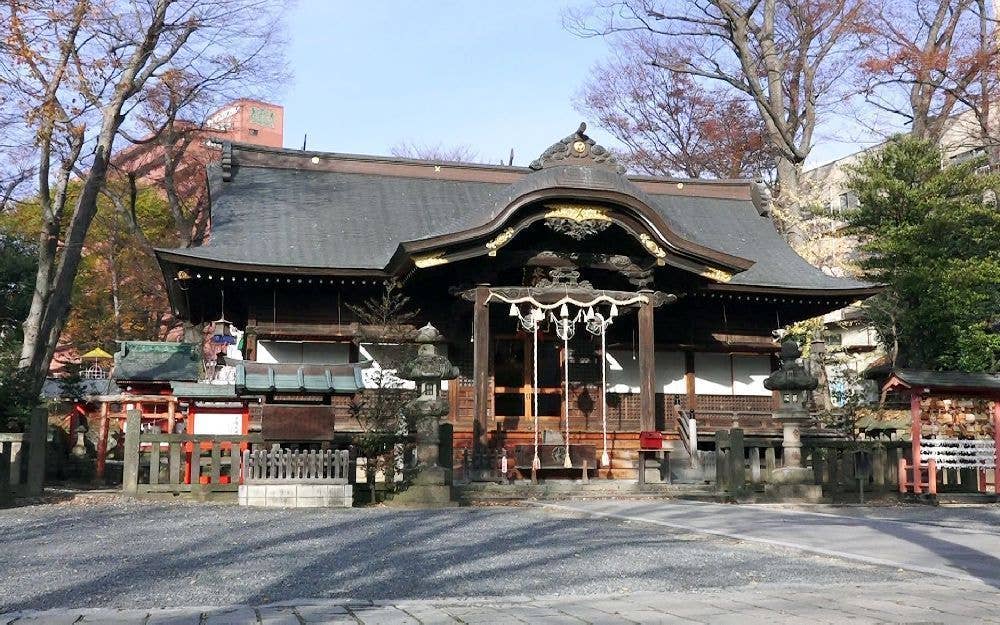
(97, 352)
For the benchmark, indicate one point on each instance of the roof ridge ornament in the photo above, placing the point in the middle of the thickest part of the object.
(577, 146)
(227, 161)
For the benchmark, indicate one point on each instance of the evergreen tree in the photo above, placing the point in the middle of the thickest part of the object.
(931, 233)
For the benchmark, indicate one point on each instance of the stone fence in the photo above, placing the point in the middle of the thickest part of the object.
(747, 463)
(22, 460)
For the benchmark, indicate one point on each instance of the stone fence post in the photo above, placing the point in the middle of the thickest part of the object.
(130, 473)
(38, 428)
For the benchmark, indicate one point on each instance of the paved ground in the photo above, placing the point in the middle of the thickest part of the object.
(959, 543)
(858, 604)
(600, 562)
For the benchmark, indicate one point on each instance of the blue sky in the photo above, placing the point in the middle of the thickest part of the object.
(490, 75)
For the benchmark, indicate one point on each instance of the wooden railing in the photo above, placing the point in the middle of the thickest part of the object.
(687, 428)
(285, 466)
(196, 464)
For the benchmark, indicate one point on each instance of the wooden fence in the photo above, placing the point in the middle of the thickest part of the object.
(285, 466)
(193, 464)
(22, 460)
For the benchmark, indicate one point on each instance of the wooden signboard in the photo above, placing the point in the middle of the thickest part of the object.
(553, 456)
(291, 422)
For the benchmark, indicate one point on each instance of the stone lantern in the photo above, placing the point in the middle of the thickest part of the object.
(427, 369)
(793, 383)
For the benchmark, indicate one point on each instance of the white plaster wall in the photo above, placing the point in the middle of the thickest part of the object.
(749, 373)
(309, 352)
(623, 372)
(712, 374)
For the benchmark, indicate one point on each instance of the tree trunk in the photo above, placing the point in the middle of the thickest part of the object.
(789, 180)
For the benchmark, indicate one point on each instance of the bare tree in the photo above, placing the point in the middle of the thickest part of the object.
(437, 152)
(79, 71)
(788, 57)
(927, 60)
(672, 125)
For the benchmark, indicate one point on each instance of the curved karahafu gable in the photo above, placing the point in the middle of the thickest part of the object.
(286, 211)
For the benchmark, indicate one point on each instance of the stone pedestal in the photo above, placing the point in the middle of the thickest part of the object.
(795, 492)
(651, 464)
(429, 489)
(431, 486)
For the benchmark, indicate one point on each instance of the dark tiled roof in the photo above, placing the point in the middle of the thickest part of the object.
(945, 380)
(288, 216)
(54, 388)
(155, 361)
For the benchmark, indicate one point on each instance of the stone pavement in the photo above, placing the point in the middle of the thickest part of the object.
(916, 540)
(935, 601)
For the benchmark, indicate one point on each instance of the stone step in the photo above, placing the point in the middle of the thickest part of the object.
(494, 493)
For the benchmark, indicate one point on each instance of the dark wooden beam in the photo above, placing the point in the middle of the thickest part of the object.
(481, 365)
(647, 390)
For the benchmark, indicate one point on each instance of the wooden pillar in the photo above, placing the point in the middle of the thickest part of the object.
(996, 445)
(171, 415)
(692, 397)
(102, 442)
(915, 436)
(481, 366)
(647, 390)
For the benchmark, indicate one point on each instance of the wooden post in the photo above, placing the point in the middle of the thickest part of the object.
(647, 389)
(878, 467)
(102, 442)
(692, 397)
(915, 436)
(481, 366)
(130, 472)
(171, 415)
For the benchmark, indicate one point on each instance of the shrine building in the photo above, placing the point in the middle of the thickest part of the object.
(582, 305)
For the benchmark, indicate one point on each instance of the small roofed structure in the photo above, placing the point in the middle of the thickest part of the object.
(954, 424)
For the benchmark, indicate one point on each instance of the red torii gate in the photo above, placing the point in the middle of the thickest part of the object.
(921, 383)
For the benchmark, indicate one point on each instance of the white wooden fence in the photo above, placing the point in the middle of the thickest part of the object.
(285, 466)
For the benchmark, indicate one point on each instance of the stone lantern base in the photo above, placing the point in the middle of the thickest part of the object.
(429, 489)
(794, 484)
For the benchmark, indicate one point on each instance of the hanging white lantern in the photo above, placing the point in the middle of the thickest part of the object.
(514, 312)
(222, 333)
(614, 310)
(564, 311)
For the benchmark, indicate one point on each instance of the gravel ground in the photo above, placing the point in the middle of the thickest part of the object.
(116, 553)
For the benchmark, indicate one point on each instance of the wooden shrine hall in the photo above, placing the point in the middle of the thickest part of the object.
(582, 305)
